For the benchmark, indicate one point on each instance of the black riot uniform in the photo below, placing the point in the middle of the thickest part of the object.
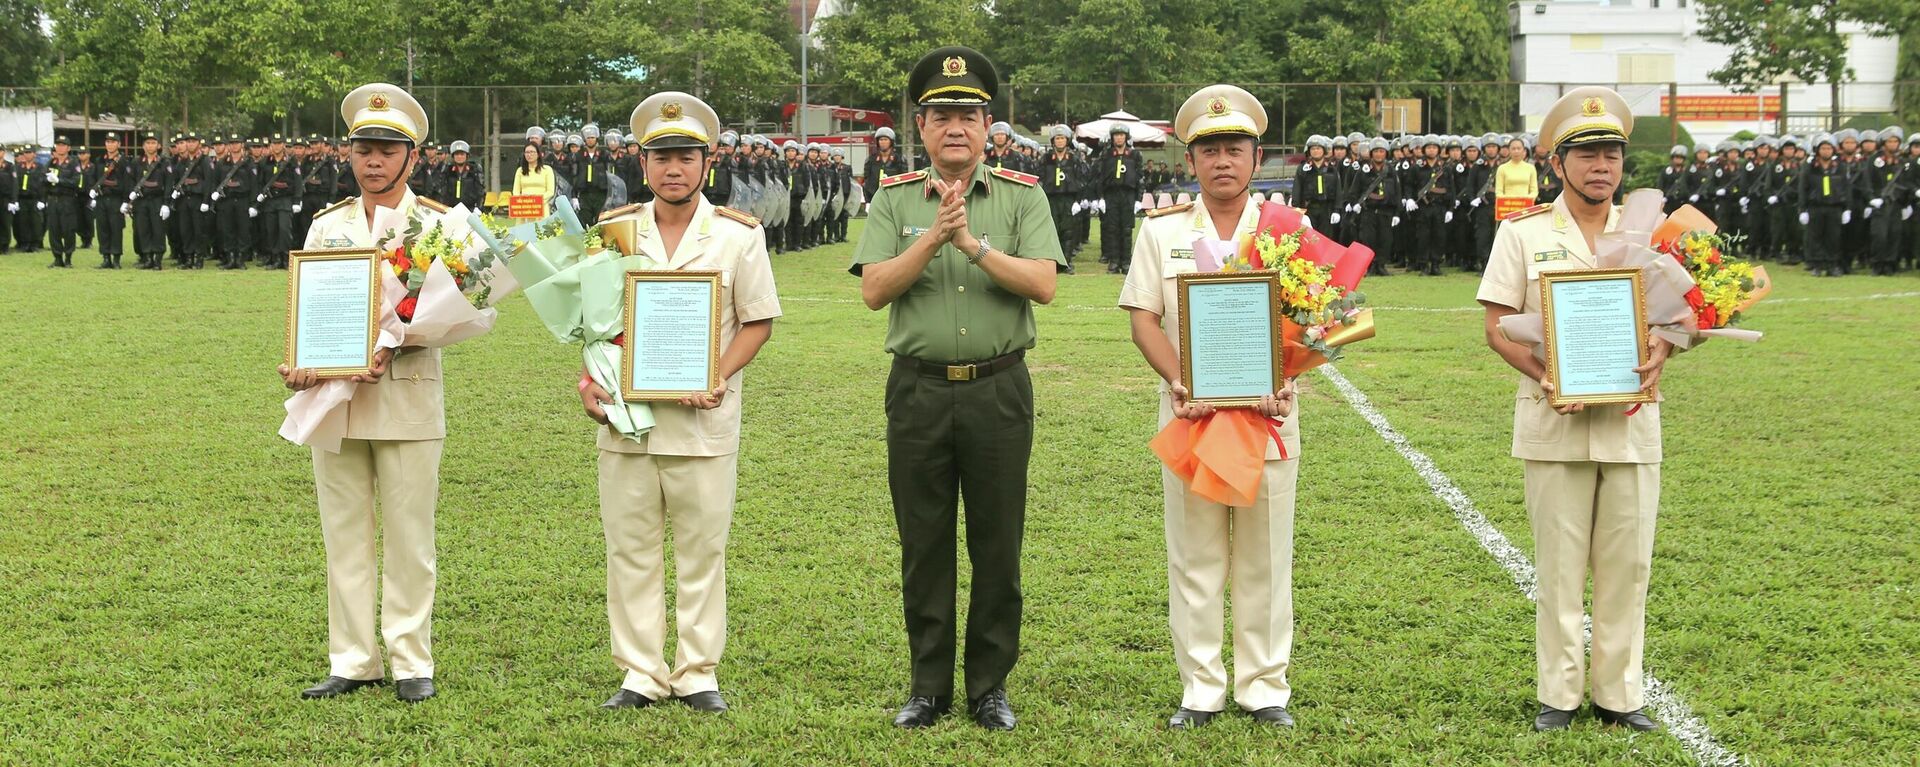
(1826, 192)
(1063, 178)
(66, 192)
(1377, 192)
(149, 193)
(279, 187)
(233, 209)
(112, 183)
(1118, 172)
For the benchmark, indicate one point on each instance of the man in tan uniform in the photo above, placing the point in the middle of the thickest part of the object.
(395, 424)
(685, 468)
(1210, 544)
(1592, 472)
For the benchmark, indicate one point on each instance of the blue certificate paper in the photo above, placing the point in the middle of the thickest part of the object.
(672, 347)
(1229, 337)
(333, 311)
(1596, 335)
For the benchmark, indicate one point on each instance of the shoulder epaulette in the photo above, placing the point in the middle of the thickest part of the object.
(743, 218)
(620, 211)
(1016, 176)
(432, 205)
(1533, 211)
(335, 206)
(1170, 210)
(889, 182)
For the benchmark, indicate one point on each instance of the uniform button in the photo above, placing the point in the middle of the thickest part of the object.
(963, 331)
(963, 288)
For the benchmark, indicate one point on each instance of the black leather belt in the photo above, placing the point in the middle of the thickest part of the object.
(967, 371)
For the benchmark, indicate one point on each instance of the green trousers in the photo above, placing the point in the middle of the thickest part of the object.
(948, 441)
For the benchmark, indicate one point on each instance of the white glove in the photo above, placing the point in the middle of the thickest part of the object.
(215, 195)
(1803, 218)
(93, 194)
(1846, 217)
(1719, 192)
(1354, 208)
(42, 205)
(93, 205)
(296, 207)
(1475, 202)
(175, 195)
(126, 208)
(203, 207)
(1396, 221)
(1773, 199)
(1410, 206)
(1306, 221)
(576, 203)
(1333, 219)
(1744, 201)
(260, 198)
(1876, 202)
(1075, 210)
(13, 207)
(1906, 213)
(1449, 218)
(1866, 214)
(134, 195)
(165, 212)
(1693, 198)
(253, 212)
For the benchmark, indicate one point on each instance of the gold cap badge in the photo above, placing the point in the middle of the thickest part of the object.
(377, 101)
(1217, 107)
(1592, 107)
(954, 66)
(671, 110)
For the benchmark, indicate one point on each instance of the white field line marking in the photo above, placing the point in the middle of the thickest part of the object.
(1665, 703)
(1426, 309)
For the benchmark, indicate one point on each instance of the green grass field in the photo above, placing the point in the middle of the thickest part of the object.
(163, 575)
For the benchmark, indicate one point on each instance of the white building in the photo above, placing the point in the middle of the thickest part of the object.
(1641, 46)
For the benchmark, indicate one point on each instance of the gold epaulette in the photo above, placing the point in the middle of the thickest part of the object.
(620, 211)
(335, 206)
(888, 182)
(432, 205)
(1533, 211)
(1016, 176)
(1170, 210)
(743, 218)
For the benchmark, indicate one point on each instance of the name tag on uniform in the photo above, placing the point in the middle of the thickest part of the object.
(912, 231)
(336, 242)
(1180, 261)
(1552, 255)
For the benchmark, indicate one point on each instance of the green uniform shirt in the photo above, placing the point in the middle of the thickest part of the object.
(954, 312)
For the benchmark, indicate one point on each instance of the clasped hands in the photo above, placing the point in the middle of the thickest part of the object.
(950, 222)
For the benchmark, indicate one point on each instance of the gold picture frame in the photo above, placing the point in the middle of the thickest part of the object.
(634, 390)
(1233, 388)
(1549, 282)
(297, 261)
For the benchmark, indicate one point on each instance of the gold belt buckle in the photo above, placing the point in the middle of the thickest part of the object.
(960, 372)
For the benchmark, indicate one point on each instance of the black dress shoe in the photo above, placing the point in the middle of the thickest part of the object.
(337, 685)
(992, 710)
(1551, 718)
(1187, 719)
(626, 698)
(414, 690)
(922, 711)
(1276, 716)
(709, 701)
(1636, 719)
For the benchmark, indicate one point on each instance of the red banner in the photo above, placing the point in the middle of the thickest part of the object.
(526, 206)
(1507, 206)
(1731, 107)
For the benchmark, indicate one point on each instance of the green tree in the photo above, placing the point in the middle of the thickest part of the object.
(1401, 41)
(1803, 39)
(24, 48)
(871, 44)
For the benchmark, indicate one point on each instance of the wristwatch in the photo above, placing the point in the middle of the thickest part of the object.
(979, 254)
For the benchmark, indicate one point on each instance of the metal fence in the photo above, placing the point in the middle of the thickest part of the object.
(493, 118)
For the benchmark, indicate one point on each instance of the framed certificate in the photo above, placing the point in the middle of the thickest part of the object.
(333, 311)
(1596, 334)
(673, 335)
(1230, 337)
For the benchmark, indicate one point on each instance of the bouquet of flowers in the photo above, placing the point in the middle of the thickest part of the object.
(440, 289)
(575, 285)
(1219, 457)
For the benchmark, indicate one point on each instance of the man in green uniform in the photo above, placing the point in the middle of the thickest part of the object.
(960, 252)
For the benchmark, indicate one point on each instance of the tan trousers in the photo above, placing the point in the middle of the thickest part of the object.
(638, 494)
(406, 476)
(1598, 517)
(1206, 540)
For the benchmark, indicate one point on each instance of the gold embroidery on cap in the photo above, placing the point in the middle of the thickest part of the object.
(954, 66)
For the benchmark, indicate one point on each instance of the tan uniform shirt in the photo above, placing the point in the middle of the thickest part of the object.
(1163, 251)
(738, 251)
(408, 403)
(1523, 248)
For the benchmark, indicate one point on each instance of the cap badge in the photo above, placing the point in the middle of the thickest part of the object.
(1217, 107)
(671, 110)
(954, 66)
(1592, 107)
(377, 101)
